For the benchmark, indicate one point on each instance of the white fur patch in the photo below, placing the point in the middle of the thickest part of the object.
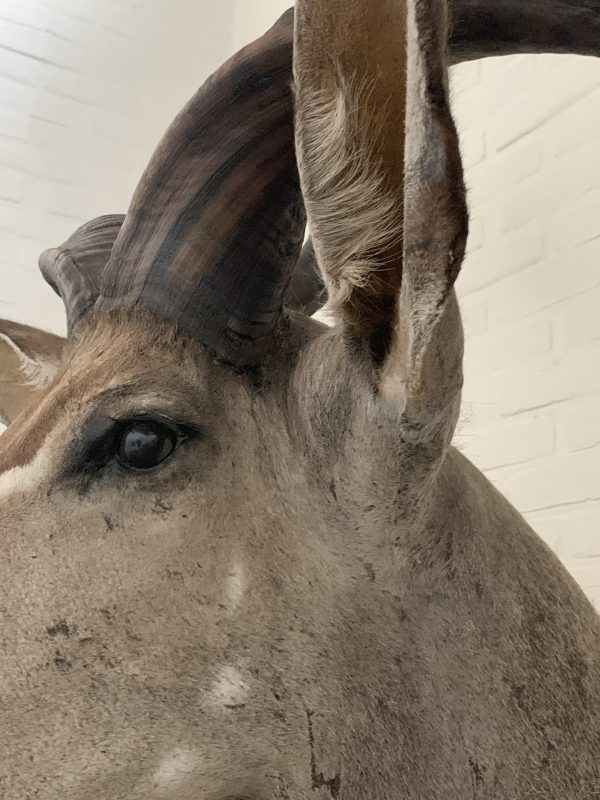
(176, 768)
(229, 689)
(25, 478)
(235, 586)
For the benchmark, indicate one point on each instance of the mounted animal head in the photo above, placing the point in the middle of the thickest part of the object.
(220, 520)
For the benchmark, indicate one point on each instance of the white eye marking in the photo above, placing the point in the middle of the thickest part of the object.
(235, 586)
(176, 768)
(229, 689)
(25, 478)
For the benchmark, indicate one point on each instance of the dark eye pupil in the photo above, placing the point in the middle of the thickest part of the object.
(145, 445)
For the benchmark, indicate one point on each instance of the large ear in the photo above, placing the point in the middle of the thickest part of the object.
(482, 28)
(29, 361)
(382, 180)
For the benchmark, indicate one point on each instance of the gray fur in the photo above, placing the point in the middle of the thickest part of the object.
(401, 632)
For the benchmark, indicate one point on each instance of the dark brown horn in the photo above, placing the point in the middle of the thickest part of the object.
(217, 221)
(483, 28)
(74, 269)
(306, 291)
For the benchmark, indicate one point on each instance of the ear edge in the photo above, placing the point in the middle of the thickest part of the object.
(37, 372)
(30, 359)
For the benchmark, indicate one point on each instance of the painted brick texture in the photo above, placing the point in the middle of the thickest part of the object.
(530, 293)
(87, 88)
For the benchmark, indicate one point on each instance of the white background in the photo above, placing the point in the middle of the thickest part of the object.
(88, 86)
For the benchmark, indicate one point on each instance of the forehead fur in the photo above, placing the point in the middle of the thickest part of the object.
(122, 337)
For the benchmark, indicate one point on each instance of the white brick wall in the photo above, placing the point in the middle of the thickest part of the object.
(530, 292)
(86, 89)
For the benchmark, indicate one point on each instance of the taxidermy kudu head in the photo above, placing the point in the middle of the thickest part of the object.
(240, 558)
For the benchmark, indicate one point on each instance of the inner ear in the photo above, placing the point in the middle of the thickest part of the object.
(29, 361)
(381, 175)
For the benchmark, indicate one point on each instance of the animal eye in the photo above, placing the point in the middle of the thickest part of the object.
(145, 444)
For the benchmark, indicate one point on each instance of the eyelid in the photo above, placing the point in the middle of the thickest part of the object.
(142, 415)
(183, 428)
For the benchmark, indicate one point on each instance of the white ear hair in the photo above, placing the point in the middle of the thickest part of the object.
(30, 359)
(342, 177)
(38, 373)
